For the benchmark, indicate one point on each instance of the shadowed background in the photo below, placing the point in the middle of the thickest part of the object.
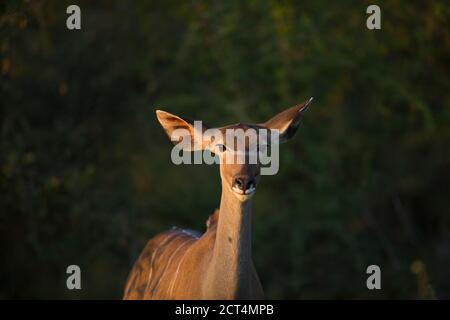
(85, 170)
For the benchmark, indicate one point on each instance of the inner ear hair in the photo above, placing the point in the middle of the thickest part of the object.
(288, 120)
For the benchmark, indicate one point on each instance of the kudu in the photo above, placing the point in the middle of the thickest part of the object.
(183, 264)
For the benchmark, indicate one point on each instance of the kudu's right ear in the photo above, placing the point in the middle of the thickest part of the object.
(287, 122)
(186, 133)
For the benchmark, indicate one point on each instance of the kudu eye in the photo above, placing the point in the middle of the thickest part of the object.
(221, 147)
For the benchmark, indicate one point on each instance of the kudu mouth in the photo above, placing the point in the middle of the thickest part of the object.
(243, 196)
(247, 192)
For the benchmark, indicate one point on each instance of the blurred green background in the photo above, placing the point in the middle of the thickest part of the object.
(85, 170)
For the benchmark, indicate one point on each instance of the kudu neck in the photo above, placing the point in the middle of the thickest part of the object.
(231, 261)
(235, 221)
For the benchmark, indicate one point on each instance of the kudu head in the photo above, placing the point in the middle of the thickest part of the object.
(234, 145)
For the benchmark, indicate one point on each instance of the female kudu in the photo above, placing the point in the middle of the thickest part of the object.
(182, 264)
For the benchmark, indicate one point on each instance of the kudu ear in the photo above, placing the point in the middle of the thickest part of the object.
(287, 121)
(183, 132)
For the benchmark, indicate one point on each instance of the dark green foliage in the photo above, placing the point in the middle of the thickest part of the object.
(85, 171)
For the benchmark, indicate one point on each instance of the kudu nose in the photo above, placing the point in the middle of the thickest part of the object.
(244, 184)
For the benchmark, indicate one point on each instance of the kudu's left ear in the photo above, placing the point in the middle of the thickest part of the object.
(182, 131)
(288, 121)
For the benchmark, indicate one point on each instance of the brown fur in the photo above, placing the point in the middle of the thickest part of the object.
(153, 275)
